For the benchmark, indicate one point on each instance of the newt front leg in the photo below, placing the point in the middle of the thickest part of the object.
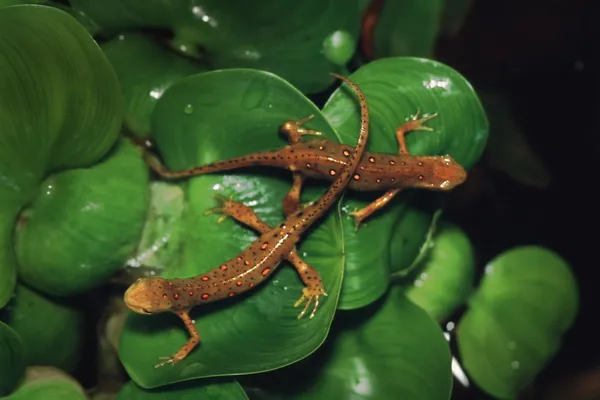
(313, 289)
(188, 346)
(414, 124)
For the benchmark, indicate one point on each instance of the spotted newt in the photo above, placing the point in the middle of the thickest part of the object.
(253, 265)
(324, 159)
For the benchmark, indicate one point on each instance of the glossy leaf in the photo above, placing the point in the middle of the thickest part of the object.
(407, 28)
(84, 224)
(226, 390)
(391, 351)
(145, 70)
(51, 329)
(293, 40)
(446, 276)
(204, 118)
(29, 146)
(525, 303)
(74, 123)
(395, 89)
(12, 359)
(47, 383)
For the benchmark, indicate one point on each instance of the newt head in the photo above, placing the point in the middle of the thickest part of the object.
(147, 296)
(439, 173)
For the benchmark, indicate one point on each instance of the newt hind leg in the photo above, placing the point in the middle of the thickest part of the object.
(293, 130)
(314, 289)
(413, 124)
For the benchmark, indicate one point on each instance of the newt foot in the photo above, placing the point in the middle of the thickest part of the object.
(359, 215)
(224, 208)
(309, 295)
(416, 124)
(293, 129)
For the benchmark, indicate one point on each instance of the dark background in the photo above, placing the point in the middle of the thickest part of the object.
(542, 58)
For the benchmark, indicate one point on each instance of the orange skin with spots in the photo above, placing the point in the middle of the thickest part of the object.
(253, 265)
(323, 159)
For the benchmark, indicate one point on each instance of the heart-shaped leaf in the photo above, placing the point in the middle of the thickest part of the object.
(515, 322)
(397, 88)
(201, 119)
(66, 117)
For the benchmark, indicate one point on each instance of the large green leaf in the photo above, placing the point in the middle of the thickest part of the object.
(515, 322)
(392, 351)
(145, 70)
(68, 116)
(51, 329)
(190, 390)
(47, 383)
(204, 118)
(84, 224)
(300, 41)
(446, 276)
(395, 89)
(12, 359)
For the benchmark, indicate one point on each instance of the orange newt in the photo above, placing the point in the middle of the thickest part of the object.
(254, 264)
(323, 159)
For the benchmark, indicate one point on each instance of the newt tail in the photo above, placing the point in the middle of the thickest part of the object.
(254, 264)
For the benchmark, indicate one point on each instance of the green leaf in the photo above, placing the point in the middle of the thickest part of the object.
(446, 277)
(201, 119)
(300, 41)
(9, 209)
(75, 124)
(51, 329)
(12, 359)
(407, 28)
(526, 302)
(68, 116)
(395, 89)
(193, 390)
(145, 70)
(47, 383)
(84, 224)
(394, 350)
